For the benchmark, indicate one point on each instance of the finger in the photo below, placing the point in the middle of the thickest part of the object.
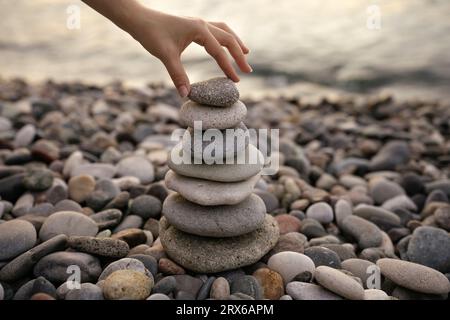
(226, 28)
(178, 74)
(213, 47)
(229, 41)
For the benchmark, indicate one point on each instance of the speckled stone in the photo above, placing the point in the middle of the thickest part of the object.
(220, 92)
(16, 237)
(212, 117)
(339, 283)
(127, 285)
(105, 247)
(194, 252)
(70, 223)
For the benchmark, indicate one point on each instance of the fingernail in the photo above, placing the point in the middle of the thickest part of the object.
(183, 91)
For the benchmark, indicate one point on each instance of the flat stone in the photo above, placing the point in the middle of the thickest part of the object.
(217, 221)
(96, 170)
(271, 283)
(212, 117)
(247, 285)
(132, 236)
(251, 165)
(270, 200)
(393, 154)
(376, 214)
(210, 193)
(129, 222)
(338, 282)
(105, 247)
(127, 285)
(107, 218)
(309, 291)
(87, 291)
(16, 237)
(342, 209)
(138, 167)
(289, 264)
(23, 264)
(365, 232)
(375, 294)
(55, 265)
(81, 187)
(194, 252)
(320, 211)
(220, 92)
(287, 223)
(431, 247)
(360, 268)
(414, 276)
(292, 241)
(382, 190)
(399, 202)
(69, 223)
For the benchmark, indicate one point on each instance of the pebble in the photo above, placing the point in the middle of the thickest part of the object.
(430, 246)
(212, 117)
(167, 266)
(320, 211)
(271, 202)
(204, 291)
(124, 264)
(399, 202)
(138, 167)
(271, 283)
(87, 291)
(149, 262)
(219, 92)
(104, 247)
(193, 252)
(132, 236)
(312, 228)
(210, 193)
(442, 217)
(129, 222)
(38, 180)
(322, 256)
(54, 266)
(342, 209)
(127, 285)
(375, 294)
(70, 223)
(223, 221)
(81, 187)
(365, 232)
(107, 218)
(391, 155)
(96, 170)
(166, 285)
(220, 289)
(414, 276)
(382, 190)
(289, 264)
(309, 291)
(339, 283)
(247, 285)
(188, 284)
(377, 215)
(344, 251)
(158, 296)
(16, 237)
(25, 136)
(412, 184)
(45, 150)
(24, 263)
(40, 285)
(146, 206)
(287, 223)
(360, 268)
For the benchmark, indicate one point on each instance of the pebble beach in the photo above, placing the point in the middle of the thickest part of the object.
(359, 208)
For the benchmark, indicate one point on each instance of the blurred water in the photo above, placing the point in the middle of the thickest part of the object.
(324, 42)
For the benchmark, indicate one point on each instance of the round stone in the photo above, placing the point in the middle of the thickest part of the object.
(339, 283)
(292, 241)
(217, 221)
(320, 211)
(270, 200)
(382, 190)
(70, 223)
(247, 285)
(210, 193)
(138, 167)
(360, 268)
(271, 283)
(289, 264)
(105, 247)
(166, 285)
(220, 92)
(431, 247)
(414, 276)
(24, 136)
(81, 187)
(158, 296)
(16, 237)
(38, 180)
(231, 172)
(323, 257)
(194, 252)
(392, 154)
(146, 206)
(124, 264)
(309, 291)
(54, 266)
(375, 294)
(365, 232)
(212, 117)
(342, 209)
(127, 285)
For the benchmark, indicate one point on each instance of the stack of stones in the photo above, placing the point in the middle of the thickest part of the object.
(213, 221)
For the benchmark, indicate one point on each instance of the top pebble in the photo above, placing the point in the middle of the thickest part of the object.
(219, 92)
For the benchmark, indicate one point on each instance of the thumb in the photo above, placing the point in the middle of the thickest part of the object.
(178, 75)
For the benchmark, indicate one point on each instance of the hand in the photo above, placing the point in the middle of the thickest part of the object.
(167, 36)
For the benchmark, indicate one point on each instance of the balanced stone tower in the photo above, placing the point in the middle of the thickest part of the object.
(213, 221)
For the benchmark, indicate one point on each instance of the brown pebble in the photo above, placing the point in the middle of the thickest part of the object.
(167, 266)
(288, 223)
(220, 289)
(271, 283)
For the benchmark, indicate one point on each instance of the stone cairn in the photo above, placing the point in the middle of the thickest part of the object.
(214, 222)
